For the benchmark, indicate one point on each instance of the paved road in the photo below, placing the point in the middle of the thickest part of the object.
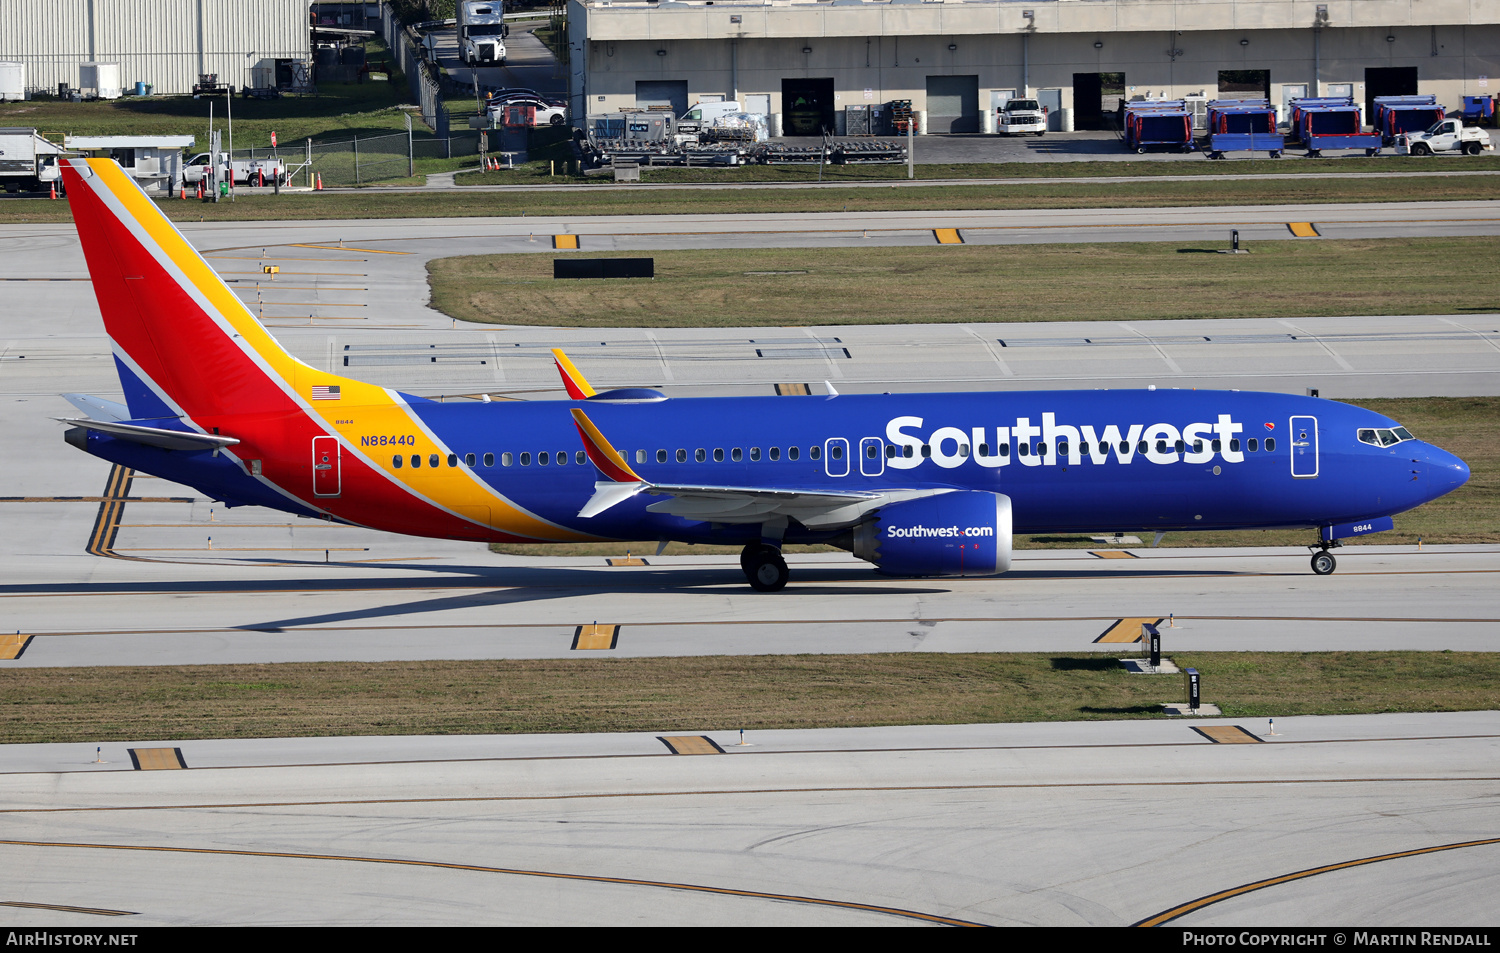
(1073, 824)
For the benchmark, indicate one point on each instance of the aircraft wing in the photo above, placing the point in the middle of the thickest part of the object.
(815, 509)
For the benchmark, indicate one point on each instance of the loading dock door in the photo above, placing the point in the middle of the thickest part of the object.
(662, 94)
(1388, 81)
(1096, 100)
(1244, 84)
(952, 104)
(807, 106)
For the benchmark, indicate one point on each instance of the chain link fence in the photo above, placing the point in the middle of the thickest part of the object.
(361, 161)
(423, 76)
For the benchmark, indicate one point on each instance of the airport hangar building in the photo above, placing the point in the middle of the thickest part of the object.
(804, 62)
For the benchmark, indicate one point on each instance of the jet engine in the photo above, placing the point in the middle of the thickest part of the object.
(959, 533)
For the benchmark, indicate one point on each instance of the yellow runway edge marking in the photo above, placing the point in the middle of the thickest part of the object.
(372, 251)
(947, 236)
(595, 636)
(1113, 554)
(1228, 735)
(565, 241)
(1126, 630)
(1172, 914)
(626, 561)
(690, 744)
(64, 908)
(11, 646)
(793, 390)
(516, 872)
(157, 759)
(1304, 230)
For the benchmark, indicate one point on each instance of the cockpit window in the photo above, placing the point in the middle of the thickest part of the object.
(1384, 438)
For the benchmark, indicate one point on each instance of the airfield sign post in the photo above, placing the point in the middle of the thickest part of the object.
(1153, 639)
(1194, 690)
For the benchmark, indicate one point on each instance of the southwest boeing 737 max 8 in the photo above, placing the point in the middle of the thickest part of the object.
(918, 484)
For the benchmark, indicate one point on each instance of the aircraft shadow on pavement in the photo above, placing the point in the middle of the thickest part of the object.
(665, 582)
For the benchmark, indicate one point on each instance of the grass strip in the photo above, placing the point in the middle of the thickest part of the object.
(1112, 281)
(377, 203)
(715, 693)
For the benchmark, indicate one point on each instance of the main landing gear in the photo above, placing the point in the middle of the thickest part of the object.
(764, 568)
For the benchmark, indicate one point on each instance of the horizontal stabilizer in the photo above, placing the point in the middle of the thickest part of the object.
(98, 408)
(153, 436)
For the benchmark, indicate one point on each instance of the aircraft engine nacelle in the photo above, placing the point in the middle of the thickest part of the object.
(962, 533)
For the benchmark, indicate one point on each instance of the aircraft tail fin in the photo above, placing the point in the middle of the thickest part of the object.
(573, 380)
(184, 343)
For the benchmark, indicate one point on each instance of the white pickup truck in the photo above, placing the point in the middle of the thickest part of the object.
(246, 171)
(1019, 117)
(1445, 135)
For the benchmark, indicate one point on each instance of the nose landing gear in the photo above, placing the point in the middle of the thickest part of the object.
(1323, 562)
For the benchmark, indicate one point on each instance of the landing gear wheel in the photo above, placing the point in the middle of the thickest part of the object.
(1323, 563)
(765, 569)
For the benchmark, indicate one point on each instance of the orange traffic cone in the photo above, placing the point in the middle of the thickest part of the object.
(54, 190)
(182, 194)
(200, 188)
(319, 186)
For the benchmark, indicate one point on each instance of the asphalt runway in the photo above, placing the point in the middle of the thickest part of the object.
(1101, 823)
(1364, 821)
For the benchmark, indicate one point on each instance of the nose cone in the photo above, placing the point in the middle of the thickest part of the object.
(1445, 472)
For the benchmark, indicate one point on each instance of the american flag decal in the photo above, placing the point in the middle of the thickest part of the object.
(325, 392)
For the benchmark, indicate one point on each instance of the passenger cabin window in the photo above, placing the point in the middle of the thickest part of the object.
(416, 460)
(755, 453)
(814, 452)
(718, 454)
(791, 453)
(1270, 444)
(562, 458)
(489, 460)
(1234, 444)
(580, 457)
(661, 456)
(468, 459)
(736, 455)
(700, 455)
(452, 459)
(525, 459)
(506, 459)
(775, 453)
(396, 461)
(682, 456)
(1253, 444)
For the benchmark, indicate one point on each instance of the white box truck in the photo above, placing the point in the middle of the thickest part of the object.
(28, 163)
(482, 32)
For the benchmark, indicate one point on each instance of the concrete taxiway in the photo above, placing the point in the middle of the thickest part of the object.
(1379, 821)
